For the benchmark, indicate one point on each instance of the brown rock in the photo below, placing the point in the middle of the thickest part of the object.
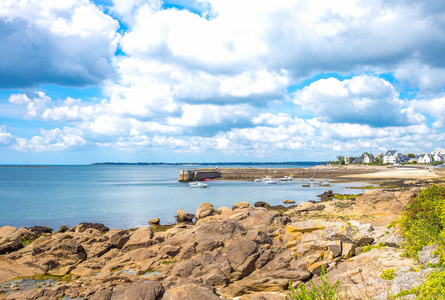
(154, 221)
(205, 210)
(183, 217)
(140, 291)
(142, 237)
(190, 291)
(348, 250)
(288, 201)
(242, 204)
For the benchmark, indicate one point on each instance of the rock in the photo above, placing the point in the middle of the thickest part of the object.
(142, 237)
(62, 229)
(288, 201)
(393, 239)
(39, 230)
(84, 226)
(170, 250)
(194, 290)
(205, 210)
(264, 296)
(427, 255)
(11, 238)
(117, 238)
(10, 269)
(309, 206)
(307, 226)
(223, 209)
(326, 195)
(278, 207)
(154, 221)
(140, 291)
(348, 250)
(242, 204)
(183, 217)
(261, 204)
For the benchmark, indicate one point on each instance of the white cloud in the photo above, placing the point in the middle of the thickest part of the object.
(362, 100)
(5, 137)
(51, 140)
(58, 42)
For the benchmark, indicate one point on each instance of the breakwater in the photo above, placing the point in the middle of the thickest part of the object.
(319, 172)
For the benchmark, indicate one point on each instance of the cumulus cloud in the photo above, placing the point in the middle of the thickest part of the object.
(5, 137)
(67, 43)
(216, 75)
(51, 140)
(362, 100)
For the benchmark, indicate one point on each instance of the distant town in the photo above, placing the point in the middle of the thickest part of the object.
(436, 157)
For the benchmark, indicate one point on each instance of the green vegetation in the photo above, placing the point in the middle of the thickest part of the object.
(388, 274)
(26, 241)
(423, 222)
(370, 247)
(324, 291)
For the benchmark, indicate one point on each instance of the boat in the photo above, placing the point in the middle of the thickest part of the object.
(286, 178)
(325, 183)
(198, 185)
(270, 181)
(258, 180)
(306, 185)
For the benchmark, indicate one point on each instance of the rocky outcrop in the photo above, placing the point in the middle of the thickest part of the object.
(246, 252)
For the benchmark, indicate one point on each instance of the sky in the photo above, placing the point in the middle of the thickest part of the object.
(219, 80)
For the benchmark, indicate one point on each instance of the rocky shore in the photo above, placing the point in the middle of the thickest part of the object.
(242, 252)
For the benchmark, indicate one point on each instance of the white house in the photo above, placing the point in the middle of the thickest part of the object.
(367, 159)
(390, 157)
(439, 157)
(425, 158)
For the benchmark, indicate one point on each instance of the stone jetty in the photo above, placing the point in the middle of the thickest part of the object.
(318, 172)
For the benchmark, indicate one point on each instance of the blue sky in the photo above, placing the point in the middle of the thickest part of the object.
(220, 80)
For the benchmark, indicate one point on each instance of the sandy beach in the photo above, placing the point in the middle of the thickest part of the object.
(398, 173)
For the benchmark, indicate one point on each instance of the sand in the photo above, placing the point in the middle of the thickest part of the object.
(399, 173)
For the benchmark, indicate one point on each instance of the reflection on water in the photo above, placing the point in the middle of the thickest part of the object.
(129, 196)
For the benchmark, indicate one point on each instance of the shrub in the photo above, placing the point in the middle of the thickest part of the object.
(423, 221)
(325, 291)
(434, 286)
(388, 274)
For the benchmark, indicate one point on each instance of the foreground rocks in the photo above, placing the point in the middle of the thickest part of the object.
(247, 252)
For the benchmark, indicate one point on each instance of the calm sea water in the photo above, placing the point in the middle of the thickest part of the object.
(126, 196)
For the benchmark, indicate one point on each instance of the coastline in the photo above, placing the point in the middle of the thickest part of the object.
(242, 252)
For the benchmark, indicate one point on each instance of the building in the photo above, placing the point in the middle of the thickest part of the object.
(368, 158)
(425, 158)
(390, 157)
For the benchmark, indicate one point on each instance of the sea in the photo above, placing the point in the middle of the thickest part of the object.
(128, 196)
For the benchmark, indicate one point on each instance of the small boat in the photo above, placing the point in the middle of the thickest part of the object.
(258, 180)
(286, 178)
(198, 185)
(270, 181)
(306, 185)
(325, 183)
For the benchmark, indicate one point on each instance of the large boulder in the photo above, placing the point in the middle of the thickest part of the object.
(205, 210)
(191, 290)
(12, 239)
(183, 217)
(142, 237)
(140, 291)
(242, 204)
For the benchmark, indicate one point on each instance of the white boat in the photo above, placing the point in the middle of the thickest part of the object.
(285, 178)
(258, 180)
(325, 183)
(270, 181)
(199, 185)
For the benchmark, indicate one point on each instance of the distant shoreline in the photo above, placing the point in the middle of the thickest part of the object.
(290, 163)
